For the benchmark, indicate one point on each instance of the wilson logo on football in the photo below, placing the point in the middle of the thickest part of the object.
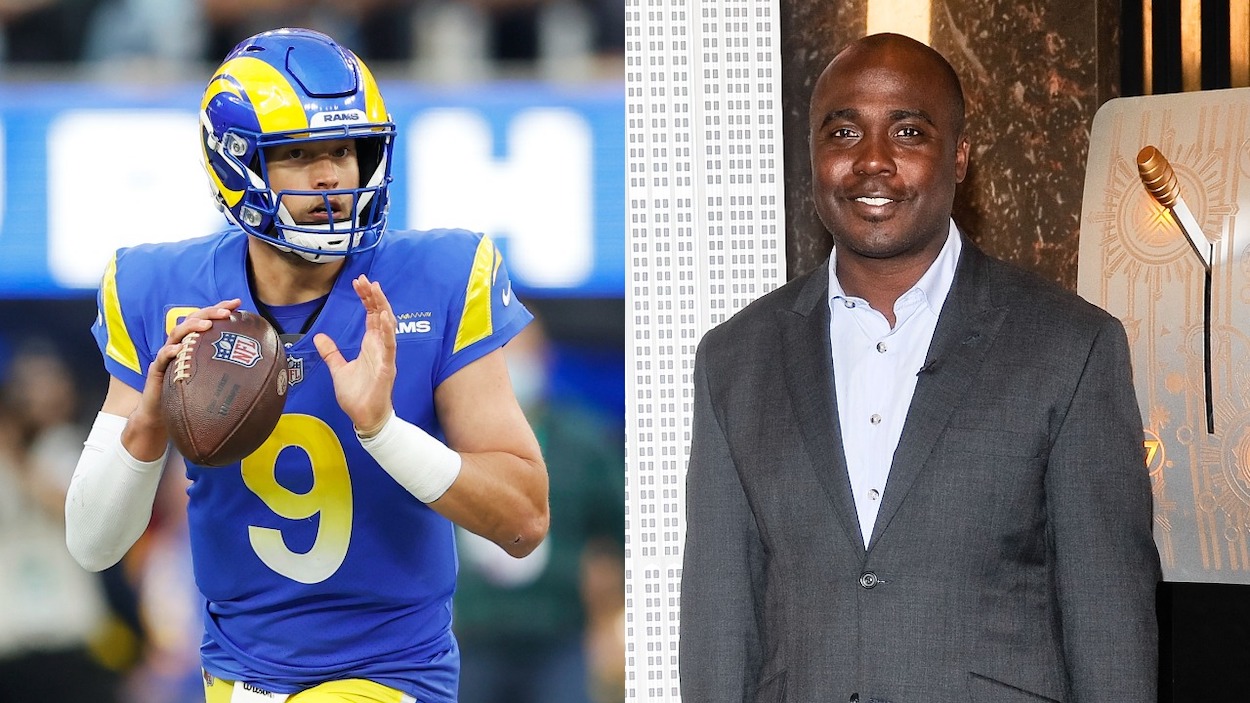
(237, 349)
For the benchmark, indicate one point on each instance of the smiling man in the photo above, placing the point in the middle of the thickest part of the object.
(916, 473)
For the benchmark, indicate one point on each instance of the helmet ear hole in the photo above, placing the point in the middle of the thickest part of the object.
(369, 153)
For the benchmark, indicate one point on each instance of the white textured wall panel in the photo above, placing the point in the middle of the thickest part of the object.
(705, 237)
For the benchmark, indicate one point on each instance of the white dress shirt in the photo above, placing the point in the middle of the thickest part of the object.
(875, 372)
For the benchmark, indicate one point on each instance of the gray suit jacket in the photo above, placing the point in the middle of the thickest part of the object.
(1012, 559)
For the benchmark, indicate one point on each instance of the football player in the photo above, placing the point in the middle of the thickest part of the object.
(326, 557)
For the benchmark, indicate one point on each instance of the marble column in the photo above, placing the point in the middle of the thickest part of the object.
(1034, 73)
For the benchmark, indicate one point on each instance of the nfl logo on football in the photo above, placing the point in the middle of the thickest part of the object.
(237, 349)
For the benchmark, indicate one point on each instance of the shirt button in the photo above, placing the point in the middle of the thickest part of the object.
(868, 579)
(848, 303)
(881, 347)
(873, 494)
(875, 419)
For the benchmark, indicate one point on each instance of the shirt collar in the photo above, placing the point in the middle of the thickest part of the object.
(934, 285)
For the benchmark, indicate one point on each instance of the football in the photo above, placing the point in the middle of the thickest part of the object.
(225, 390)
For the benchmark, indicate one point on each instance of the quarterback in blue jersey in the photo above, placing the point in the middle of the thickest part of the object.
(326, 558)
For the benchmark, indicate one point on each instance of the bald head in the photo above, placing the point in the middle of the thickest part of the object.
(897, 50)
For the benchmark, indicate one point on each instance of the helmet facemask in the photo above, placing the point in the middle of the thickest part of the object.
(263, 214)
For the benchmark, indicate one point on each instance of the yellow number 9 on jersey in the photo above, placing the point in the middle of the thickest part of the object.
(330, 497)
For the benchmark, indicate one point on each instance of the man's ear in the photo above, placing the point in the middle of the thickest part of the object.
(961, 158)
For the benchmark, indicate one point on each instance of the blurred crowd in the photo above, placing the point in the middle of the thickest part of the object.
(127, 635)
(449, 40)
(550, 628)
(547, 628)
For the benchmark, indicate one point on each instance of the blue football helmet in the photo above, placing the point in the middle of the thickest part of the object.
(295, 85)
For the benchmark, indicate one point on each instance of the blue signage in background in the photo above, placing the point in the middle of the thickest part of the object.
(87, 169)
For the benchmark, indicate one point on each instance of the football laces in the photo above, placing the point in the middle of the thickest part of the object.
(182, 362)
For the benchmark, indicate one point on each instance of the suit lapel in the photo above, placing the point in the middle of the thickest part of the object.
(966, 328)
(808, 372)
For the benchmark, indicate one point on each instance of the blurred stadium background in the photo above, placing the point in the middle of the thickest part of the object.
(511, 122)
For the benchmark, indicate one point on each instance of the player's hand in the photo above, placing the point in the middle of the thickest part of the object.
(363, 386)
(145, 435)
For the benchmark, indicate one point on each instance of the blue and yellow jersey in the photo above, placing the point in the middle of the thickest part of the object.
(314, 563)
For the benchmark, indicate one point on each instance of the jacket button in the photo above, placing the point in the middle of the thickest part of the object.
(868, 579)
(854, 698)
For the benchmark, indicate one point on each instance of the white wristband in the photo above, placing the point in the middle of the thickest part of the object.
(417, 461)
